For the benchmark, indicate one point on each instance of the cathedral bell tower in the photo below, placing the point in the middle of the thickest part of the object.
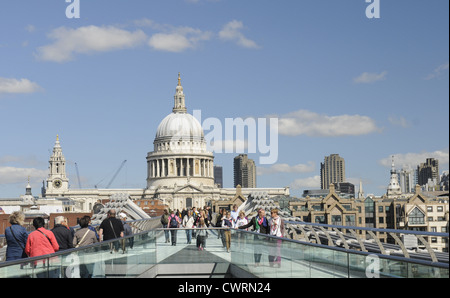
(57, 182)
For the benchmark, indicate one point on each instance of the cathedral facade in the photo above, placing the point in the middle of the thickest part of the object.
(180, 169)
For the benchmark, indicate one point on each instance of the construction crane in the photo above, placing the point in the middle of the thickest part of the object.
(78, 176)
(117, 172)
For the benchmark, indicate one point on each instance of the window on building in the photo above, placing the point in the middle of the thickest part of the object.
(317, 207)
(430, 208)
(336, 220)
(440, 208)
(350, 220)
(416, 217)
(380, 209)
(320, 219)
(369, 205)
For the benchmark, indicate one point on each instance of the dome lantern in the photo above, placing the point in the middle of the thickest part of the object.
(179, 105)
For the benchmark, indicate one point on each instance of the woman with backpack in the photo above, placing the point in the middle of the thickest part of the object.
(174, 222)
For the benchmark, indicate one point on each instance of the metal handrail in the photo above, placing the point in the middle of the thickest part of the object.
(292, 225)
(145, 223)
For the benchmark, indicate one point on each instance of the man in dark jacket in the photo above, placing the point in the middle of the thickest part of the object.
(111, 228)
(62, 233)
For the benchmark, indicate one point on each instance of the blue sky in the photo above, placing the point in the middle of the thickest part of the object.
(337, 81)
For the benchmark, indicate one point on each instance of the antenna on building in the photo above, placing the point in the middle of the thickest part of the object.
(78, 176)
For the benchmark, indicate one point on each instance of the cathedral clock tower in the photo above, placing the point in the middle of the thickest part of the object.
(57, 182)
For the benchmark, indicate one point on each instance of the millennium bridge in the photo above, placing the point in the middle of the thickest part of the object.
(308, 251)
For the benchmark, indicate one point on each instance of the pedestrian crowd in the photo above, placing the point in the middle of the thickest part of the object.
(195, 222)
(42, 241)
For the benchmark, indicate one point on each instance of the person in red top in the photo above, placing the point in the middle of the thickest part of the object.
(41, 241)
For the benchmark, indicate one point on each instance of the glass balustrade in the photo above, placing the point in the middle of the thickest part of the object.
(261, 256)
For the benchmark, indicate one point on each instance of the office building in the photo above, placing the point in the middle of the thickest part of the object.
(332, 170)
(218, 176)
(244, 171)
(428, 170)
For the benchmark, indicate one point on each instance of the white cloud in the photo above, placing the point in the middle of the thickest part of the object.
(437, 72)
(17, 169)
(303, 122)
(285, 168)
(8, 85)
(30, 28)
(412, 160)
(169, 42)
(309, 182)
(68, 42)
(87, 40)
(399, 121)
(232, 32)
(367, 77)
(10, 175)
(178, 39)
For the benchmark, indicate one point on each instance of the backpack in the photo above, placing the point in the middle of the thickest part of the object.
(173, 223)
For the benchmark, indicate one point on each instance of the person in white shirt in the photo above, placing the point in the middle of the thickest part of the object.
(234, 213)
(188, 223)
(241, 221)
(276, 224)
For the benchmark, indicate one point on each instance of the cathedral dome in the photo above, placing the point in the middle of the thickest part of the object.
(179, 126)
(180, 156)
(179, 131)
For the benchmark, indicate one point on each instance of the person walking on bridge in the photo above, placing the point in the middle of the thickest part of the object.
(174, 223)
(62, 233)
(111, 228)
(165, 224)
(260, 225)
(16, 237)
